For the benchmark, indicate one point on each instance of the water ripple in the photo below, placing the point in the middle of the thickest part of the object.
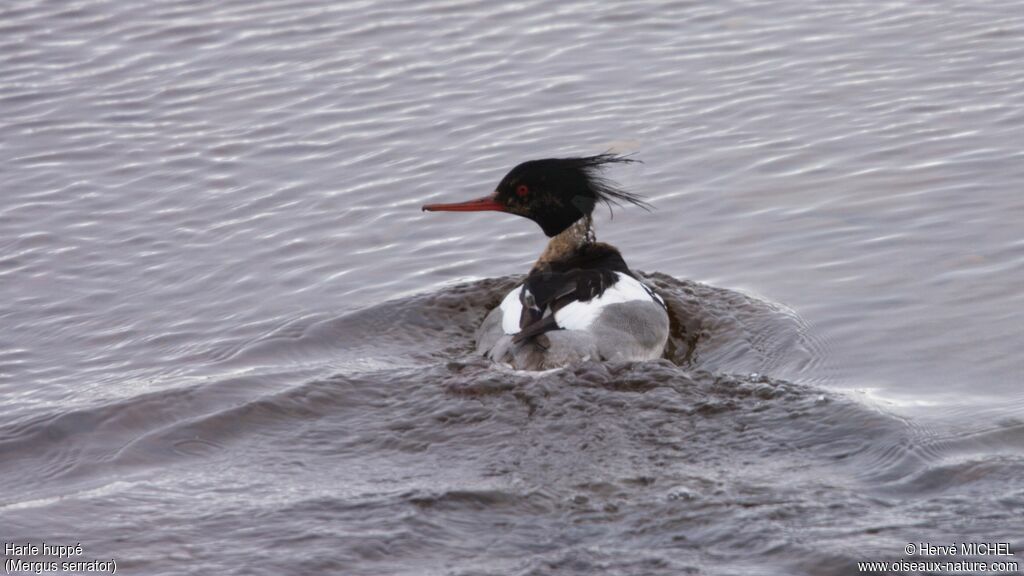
(211, 255)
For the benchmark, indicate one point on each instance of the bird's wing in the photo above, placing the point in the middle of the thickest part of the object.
(546, 292)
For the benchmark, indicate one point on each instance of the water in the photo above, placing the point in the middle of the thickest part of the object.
(232, 343)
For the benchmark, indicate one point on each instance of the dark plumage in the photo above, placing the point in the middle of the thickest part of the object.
(560, 191)
(553, 192)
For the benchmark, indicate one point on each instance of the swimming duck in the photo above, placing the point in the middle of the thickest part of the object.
(579, 301)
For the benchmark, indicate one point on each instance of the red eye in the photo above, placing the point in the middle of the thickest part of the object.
(522, 190)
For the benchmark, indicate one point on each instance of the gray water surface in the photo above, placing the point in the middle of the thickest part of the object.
(231, 342)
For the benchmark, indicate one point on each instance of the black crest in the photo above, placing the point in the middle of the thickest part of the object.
(556, 192)
(605, 190)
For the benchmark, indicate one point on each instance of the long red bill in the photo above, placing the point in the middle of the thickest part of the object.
(478, 205)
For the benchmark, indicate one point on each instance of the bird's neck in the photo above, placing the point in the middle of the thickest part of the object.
(567, 243)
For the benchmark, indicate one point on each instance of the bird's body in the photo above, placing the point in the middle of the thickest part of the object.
(580, 301)
(627, 322)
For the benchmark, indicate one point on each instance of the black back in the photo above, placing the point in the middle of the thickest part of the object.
(582, 277)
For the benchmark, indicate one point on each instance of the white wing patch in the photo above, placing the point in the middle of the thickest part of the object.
(580, 315)
(511, 311)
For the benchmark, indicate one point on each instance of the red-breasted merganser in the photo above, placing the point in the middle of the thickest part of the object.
(580, 301)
